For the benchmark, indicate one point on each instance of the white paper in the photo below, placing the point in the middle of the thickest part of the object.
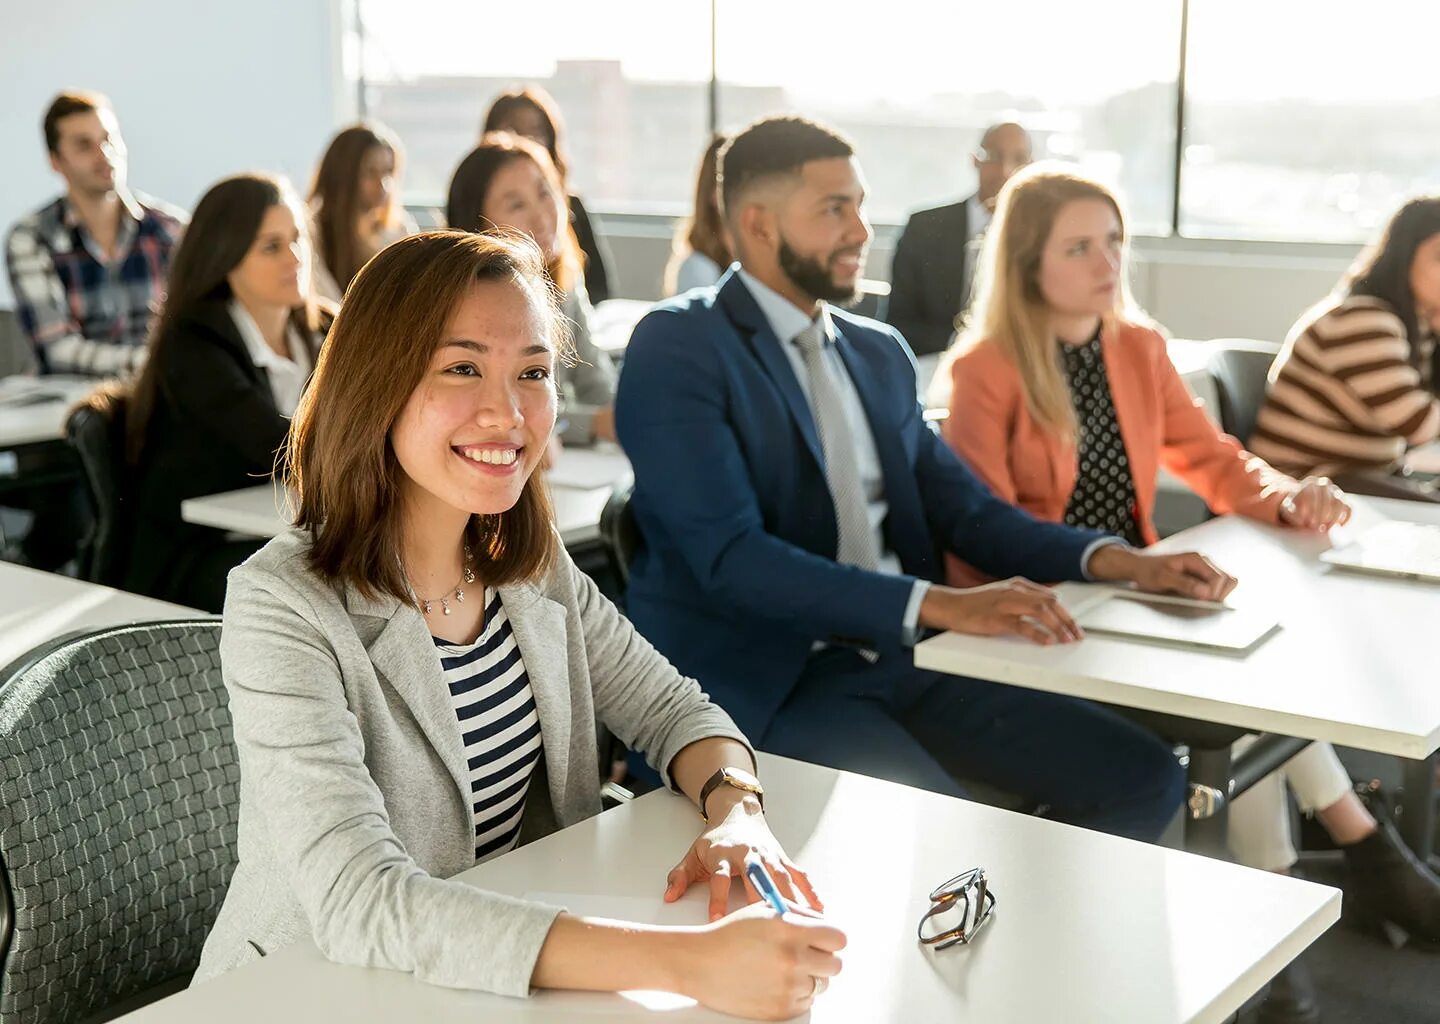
(585, 470)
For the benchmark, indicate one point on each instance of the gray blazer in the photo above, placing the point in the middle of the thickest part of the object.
(589, 385)
(354, 788)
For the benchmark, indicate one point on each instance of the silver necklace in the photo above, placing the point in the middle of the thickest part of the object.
(468, 576)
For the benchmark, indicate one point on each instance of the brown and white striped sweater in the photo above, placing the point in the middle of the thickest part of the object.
(1345, 393)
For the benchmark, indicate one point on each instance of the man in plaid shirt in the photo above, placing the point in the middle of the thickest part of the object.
(89, 269)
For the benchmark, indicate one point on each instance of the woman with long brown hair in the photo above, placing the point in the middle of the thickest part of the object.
(508, 181)
(1065, 402)
(355, 201)
(530, 112)
(701, 252)
(228, 358)
(1357, 384)
(415, 673)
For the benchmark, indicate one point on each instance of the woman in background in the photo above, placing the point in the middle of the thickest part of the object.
(508, 181)
(700, 253)
(1065, 402)
(229, 357)
(1355, 386)
(532, 113)
(355, 201)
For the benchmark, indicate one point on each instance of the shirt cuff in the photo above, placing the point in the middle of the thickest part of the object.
(910, 624)
(1096, 545)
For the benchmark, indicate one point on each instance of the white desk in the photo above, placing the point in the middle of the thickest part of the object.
(263, 511)
(33, 409)
(1353, 662)
(39, 606)
(1088, 928)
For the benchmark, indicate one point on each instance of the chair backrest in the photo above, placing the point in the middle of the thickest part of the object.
(1240, 367)
(17, 354)
(118, 806)
(618, 531)
(96, 430)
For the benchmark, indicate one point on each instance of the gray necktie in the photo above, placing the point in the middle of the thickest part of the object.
(837, 442)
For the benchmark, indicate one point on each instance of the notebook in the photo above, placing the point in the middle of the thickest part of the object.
(1409, 550)
(1178, 621)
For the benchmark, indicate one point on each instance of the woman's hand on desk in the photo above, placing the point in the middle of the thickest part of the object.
(1316, 504)
(758, 965)
(738, 831)
(1187, 574)
(1015, 606)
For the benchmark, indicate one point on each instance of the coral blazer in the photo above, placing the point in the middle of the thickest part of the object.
(1161, 423)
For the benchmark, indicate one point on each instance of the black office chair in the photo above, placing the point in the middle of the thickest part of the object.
(619, 532)
(118, 808)
(1240, 367)
(96, 430)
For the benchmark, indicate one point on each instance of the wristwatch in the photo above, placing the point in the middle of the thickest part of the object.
(737, 777)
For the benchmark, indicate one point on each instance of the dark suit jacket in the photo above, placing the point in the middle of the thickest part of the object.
(929, 277)
(736, 577)
(597, 254)
(214, 428)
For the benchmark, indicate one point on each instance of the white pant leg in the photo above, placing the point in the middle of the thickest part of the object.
(1317, 777)
(1259, 834)
(1260, 819)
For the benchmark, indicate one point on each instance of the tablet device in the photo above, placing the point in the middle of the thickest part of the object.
(1178, 621)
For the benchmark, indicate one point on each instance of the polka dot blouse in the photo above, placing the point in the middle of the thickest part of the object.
(1104, 495)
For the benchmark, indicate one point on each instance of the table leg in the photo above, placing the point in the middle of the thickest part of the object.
(1209, 773)
(1416, 818)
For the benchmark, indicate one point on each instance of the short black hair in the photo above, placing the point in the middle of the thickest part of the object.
(775, 146)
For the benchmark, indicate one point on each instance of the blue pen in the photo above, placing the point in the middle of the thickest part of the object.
(765, 885)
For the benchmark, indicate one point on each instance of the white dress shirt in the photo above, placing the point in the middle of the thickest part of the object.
(286, 376)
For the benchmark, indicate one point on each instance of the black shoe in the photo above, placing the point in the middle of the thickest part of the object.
(1388, 887)
(1292, 998)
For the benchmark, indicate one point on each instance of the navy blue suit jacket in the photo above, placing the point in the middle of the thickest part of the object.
(736, 577)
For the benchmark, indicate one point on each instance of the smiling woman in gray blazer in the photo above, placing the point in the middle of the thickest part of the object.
(416, 670)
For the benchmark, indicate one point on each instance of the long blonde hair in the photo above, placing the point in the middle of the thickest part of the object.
(1009, 310)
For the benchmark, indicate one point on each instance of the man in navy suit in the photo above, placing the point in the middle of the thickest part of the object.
(794, 506)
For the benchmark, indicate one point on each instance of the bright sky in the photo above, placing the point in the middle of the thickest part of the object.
(1061, 51)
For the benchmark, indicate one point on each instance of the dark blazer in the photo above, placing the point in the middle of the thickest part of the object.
(597, 253)
(214, 428)
(736, 577)
(929, 277)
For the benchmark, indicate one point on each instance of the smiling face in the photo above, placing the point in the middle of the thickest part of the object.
(821, 232)
(476, 426)
(1080, 264)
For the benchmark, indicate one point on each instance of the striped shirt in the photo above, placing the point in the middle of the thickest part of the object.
(499, 727)
(86, 314)
(1346, 393)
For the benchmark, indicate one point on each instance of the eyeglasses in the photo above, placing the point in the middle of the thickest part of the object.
(958, 910)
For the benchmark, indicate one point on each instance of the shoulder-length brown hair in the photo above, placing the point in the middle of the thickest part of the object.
(1382, 270)
(220, 233)
(704, 230)
(340, 462)
(470, 187)
(335, 197)
(532, 97)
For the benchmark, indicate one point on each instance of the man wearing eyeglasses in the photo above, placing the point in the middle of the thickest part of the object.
(934, 261)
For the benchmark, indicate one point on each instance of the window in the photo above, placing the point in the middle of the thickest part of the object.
(914, 85)
(631, 79)
(1307, 122)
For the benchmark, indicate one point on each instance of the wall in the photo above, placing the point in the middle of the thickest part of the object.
(264, 91)
(1197, 289)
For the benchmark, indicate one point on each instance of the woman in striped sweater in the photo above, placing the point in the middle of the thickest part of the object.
(1355, 386)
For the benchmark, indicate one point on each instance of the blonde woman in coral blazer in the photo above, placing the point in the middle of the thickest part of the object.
(1065, 402)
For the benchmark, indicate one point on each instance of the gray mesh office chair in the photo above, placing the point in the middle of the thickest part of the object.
(118, 805)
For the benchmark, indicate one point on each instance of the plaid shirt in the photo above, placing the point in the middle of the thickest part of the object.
(85, 315)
